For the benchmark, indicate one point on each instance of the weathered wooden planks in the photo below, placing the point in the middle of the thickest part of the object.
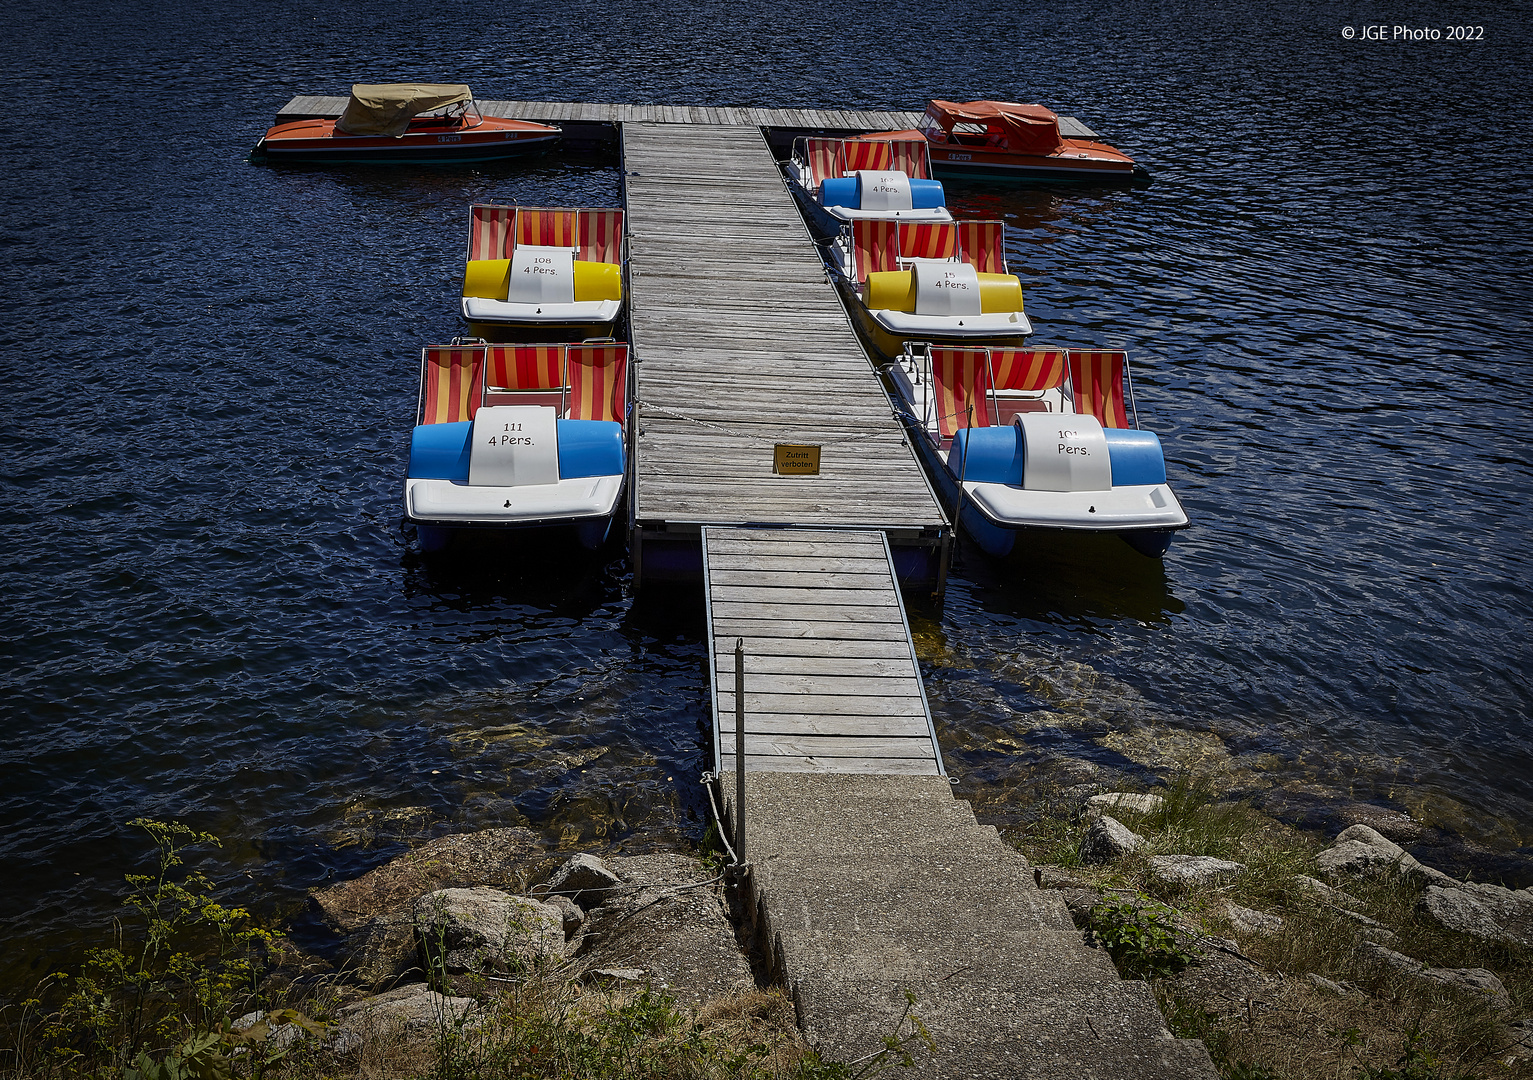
(741, 343)
(831, 683)
(307, 107)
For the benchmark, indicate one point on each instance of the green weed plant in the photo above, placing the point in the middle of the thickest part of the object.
(1140, 936)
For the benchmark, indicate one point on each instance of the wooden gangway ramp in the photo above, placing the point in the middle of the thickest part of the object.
(830, 676)
(740, 344)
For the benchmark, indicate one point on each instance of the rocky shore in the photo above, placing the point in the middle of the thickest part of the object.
(1282, 950)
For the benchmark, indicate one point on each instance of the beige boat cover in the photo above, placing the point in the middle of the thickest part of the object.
(386, 108)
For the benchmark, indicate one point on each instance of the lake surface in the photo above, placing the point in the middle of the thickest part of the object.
(212, 613)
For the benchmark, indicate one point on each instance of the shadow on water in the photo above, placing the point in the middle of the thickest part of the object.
(539, 568)
(1092, 577)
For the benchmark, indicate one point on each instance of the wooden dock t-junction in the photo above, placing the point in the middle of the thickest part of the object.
(740, 345)
(870, 881)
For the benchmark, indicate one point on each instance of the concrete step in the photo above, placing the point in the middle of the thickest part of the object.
(982, 1028)
(872, 886)
(888, 889)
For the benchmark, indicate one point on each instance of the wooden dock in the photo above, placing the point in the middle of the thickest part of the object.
(831, 683)
(310, 107)
(741, 343)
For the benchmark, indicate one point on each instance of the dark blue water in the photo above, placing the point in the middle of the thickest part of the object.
(212, 613)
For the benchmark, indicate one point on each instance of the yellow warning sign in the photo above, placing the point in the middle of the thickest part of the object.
(790, 459)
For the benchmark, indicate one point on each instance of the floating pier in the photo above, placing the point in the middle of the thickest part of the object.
(589, 122)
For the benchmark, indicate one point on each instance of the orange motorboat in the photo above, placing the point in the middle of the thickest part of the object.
(406, 123)
(1011, 143)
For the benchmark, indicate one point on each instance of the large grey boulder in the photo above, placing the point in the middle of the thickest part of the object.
(493, 857)
(1108, 839)
(1488, 912)
(1361, 850)
(483, 929)
(384, 951)
(1194, 870)
(585, 879)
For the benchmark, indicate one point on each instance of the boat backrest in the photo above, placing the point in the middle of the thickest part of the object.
(601, 236)
(875, 246)
(928, 240)
(1096, 380)
(863, 154)
(545, 227)
(824, 158)
(452, 383)
(489, 231)
(960, 380)
(524, 367)
(598, 382)
(910, 157)
(1027, 369)
(984, 245)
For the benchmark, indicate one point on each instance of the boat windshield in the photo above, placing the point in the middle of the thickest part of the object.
(458, 114)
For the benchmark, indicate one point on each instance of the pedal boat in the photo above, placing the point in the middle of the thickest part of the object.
(406, 123)
(518, 436)
(542, 274)
(1004, 142)
(1036, 439)
(942, 282)
(841, 180)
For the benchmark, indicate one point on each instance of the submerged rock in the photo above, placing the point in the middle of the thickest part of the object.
(492, 857)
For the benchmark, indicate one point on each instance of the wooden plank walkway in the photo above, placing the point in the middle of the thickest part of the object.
(740, 342)
(307, 107)
(831, 683)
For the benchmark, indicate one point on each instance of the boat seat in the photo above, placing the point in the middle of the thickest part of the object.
(598, 381)
(928, 240)
(960, 381)
(873, 155)
(1096, 382)
(451, 383)
(983, 243)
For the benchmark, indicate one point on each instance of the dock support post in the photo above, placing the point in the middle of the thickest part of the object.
(740, 753)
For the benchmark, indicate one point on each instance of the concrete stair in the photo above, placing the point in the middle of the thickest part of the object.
(867, 886)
